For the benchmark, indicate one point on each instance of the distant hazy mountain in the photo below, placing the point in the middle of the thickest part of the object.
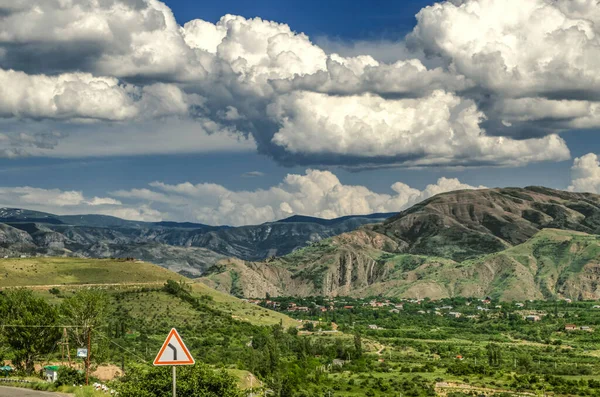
(186, 247)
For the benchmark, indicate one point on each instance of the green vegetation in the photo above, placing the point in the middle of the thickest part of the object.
(345, 346)
(489, 348)
(194, 381)
(53, 272)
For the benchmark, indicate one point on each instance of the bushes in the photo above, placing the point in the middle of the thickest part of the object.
(69, 376)
(198, 380)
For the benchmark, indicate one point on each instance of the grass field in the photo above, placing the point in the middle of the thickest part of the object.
(76, 271)
(69, 274)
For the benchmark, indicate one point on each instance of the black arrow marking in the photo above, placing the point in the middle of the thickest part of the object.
(174, 351)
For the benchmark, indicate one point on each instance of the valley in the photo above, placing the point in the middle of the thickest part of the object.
(490, 292)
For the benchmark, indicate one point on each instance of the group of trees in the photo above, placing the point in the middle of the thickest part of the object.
(31, 327)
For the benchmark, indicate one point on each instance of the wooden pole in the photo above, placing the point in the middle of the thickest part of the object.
(89, 352)
(67, 340)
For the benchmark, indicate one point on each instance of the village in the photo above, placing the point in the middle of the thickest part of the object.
(457, 308)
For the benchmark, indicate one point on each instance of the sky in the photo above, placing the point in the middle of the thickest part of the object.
(237, 112)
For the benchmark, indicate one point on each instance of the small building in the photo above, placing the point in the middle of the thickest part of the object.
(570, 327)
(348, 307)
(586, 328)
(519, 304)
(395, 311)
(533, 317)
(5, 370)
(454, 314)
(373, 326)
(459, 357)
(51, 373)
(338, 363)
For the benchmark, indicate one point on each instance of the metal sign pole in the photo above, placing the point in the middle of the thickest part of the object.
(174, 381)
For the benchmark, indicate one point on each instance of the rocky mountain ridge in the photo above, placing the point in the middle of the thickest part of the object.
(186, 247)
(512, 243)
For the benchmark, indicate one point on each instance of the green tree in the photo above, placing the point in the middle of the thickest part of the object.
(358, 350)
(85, 310)
(494, 354)
(198, 380)
(31, 327)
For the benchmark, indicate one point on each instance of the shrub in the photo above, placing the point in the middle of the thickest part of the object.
(196, 380)
(69, 376)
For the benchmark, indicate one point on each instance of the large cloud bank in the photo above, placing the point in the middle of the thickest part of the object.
(507, 78)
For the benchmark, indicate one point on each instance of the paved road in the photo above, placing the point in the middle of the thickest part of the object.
(19, 392)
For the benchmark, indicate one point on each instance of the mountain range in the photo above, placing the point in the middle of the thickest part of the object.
(189, 248)
(511, 243)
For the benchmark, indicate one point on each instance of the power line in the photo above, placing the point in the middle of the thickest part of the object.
(40, 326)
(71, 326)
(115, 343)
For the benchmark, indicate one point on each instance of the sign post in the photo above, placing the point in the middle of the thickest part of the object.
(174, 352)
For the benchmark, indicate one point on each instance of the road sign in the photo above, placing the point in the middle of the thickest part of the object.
(82, 352)
(173, 351)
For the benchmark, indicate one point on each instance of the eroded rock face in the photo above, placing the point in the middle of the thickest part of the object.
(530, 243)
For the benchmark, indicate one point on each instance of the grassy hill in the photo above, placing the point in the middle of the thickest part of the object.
(73, 271)
(553, 263)
(69, 274)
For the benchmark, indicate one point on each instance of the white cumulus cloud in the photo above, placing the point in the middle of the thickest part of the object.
(71, 202)
(316, 193)
(585, 174)
(441, 128)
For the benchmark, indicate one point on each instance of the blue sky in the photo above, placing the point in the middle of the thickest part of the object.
(348, 20)
(169, 117)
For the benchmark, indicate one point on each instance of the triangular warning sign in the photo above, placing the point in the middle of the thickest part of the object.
(173, 351)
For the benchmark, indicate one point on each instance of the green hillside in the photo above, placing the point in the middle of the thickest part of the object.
(68, 274)
(553, 263)
(72, 271)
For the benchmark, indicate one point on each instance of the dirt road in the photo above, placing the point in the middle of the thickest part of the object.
(48, 286)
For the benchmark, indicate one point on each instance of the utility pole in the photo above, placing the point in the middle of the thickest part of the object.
(89, 352)
(66, 335)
